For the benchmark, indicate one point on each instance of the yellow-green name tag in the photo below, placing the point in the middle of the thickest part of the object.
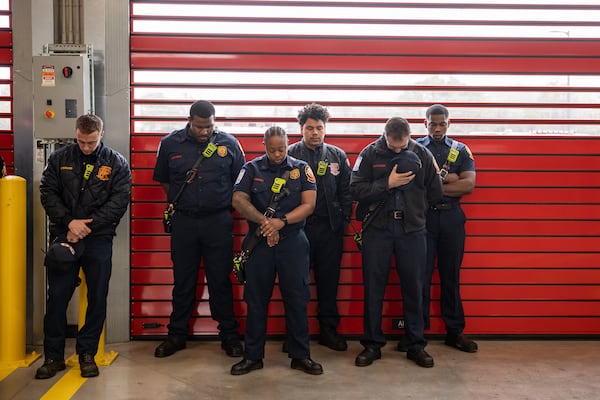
(88, 171)
(453, 155)
(209, 150)
(278, 184)
(322, 168)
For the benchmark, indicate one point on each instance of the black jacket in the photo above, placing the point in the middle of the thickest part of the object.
(369, 181)
(104, 198)
(333, 188)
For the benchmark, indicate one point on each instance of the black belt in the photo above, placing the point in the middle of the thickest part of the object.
(444, 206)
(397, 214)
(201, 214)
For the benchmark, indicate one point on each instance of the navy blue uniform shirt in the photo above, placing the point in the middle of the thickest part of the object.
(213, 187)
(256, 179)
(440, 150)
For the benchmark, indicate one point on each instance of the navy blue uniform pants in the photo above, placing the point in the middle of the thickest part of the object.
(325, 256)
(410, 252)
(446, 240)
(96, 263)
(289, 261)
(209, 239)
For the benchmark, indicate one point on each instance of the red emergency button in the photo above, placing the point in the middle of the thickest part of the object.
(49, 114)
(67, 72)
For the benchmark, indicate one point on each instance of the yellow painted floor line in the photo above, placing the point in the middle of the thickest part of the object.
(4, 372)
(66, 386)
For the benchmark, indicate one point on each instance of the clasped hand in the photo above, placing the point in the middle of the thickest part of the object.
(269, 228)
(78, 229)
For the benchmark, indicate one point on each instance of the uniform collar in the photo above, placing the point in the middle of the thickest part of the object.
(319, 147)
(91, 157)
(447, 141)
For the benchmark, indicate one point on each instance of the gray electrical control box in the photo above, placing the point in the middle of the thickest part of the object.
(62, 90)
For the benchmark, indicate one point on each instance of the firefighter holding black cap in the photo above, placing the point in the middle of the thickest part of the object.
(394, 180)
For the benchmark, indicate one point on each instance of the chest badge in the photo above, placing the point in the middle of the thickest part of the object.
(295, 173)
(222, 151)
(334, 168)
(104, 173)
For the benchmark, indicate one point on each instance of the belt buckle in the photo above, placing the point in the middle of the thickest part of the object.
(397, 214)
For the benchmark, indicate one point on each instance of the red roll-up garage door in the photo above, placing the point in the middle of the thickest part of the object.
(522, 83)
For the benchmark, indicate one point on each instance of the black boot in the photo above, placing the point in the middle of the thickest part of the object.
(330, 338)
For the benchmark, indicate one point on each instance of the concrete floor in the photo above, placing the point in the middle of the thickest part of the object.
(511, 369)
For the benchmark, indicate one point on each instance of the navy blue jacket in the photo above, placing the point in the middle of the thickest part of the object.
(104, 198)
(333, 188)
(369, 182)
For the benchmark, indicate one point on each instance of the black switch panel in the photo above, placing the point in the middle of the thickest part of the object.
(70, 108)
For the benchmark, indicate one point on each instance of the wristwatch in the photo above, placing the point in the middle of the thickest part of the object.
(443, 173)
(284, 219)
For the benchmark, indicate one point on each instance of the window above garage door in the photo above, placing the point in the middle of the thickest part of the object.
(501, 67)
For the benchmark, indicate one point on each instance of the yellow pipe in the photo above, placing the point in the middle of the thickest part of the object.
(13, 241)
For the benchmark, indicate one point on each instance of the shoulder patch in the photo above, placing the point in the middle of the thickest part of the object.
(241, 148)
(310, 177)
(469, 152)
(357, 164)
(240, 176)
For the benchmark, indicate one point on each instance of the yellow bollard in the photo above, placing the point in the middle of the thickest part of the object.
(101, 358)
(13, 242)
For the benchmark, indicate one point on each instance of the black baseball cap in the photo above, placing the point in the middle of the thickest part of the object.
(406, 161)
(63, 255)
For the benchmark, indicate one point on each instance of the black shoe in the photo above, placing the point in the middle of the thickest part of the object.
(232, 347)
(284, 347)
(169, 347)
(462, 343)
(50, 368)
(421, 357)
(88, 366)
(367, 356)
(245, 366)
(402, 344)
(329, 337)
(307, 365)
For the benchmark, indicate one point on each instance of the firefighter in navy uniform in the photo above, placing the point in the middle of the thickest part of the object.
(282, 251)
(201, 223)
(446, 225)
(85, 190)
(394, 180)
(325, 227)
